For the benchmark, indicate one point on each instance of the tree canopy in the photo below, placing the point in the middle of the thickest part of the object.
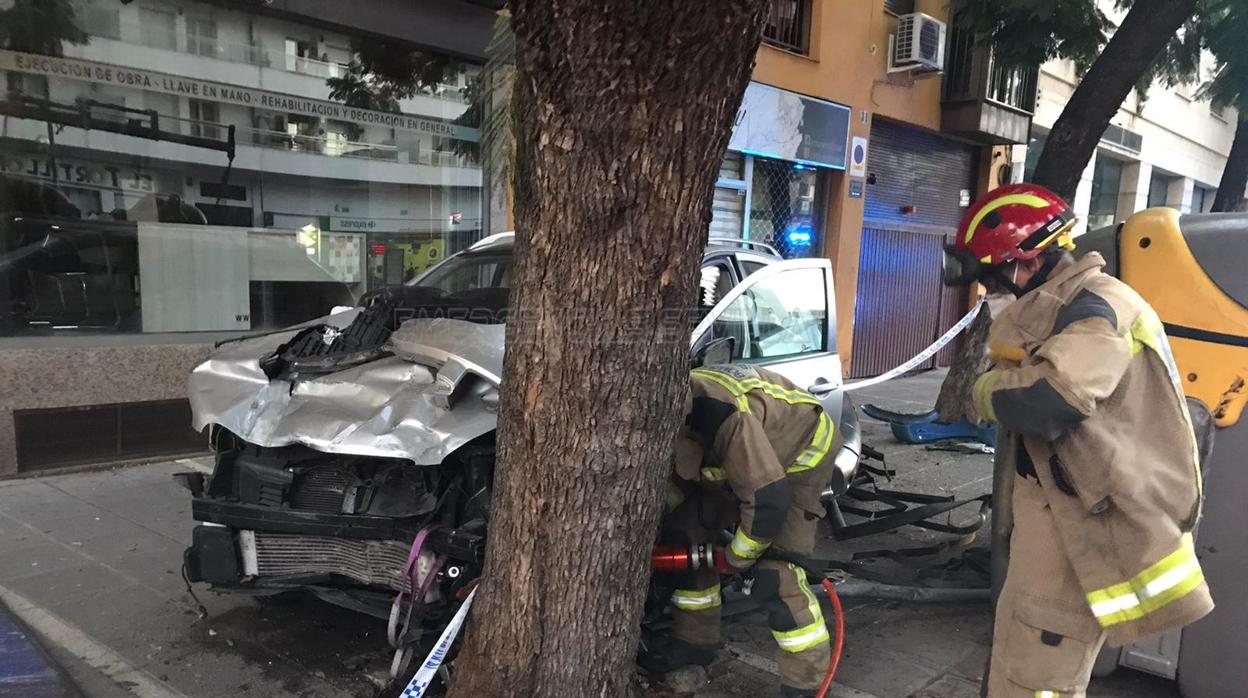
(40, 26)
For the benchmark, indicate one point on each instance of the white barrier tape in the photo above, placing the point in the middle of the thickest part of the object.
(424, 675)
(922, 356)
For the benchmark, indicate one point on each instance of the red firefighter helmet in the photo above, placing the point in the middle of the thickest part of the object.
(1017, 221)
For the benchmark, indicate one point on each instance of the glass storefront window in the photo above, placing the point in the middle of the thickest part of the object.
(785, 207)
(196, 167)
(1106, 180)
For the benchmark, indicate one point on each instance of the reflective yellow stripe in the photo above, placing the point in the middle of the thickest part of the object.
(1048, 694)
(713, 474)
(675, 495)
(1026, 199)
(818, 449)
(1170, 579)
(812, 604)
(803, 638)
(728, 384)
(696, 599)
(810, 635)
(740, 388)
(745, 547)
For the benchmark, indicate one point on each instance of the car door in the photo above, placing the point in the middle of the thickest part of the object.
(782, 317)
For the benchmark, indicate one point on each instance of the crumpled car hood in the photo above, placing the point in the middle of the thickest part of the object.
(422, 404)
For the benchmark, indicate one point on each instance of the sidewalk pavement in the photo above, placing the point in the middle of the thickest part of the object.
(91, 562)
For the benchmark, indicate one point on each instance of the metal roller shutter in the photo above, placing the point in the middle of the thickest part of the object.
(728, 204)
(908, 167)
(901, 305)
(727, 212)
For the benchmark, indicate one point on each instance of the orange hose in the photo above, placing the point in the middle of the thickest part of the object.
(838, 616)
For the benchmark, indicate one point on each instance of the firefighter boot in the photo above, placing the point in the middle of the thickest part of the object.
(665, 654)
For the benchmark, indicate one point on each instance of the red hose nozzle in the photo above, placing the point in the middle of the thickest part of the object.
(679, 559)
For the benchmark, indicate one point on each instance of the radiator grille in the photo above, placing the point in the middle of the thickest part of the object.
(372, 562)
(319, 489)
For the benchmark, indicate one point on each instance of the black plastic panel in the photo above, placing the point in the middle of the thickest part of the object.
(1219, 241)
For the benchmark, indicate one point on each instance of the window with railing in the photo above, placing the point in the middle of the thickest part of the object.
(204, 118)
(201, 36)
(899, 7)
(972, 73)
(788, 25)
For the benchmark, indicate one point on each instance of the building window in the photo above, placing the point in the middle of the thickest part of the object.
(788, 25)
(1106, 181)
(1035, 146)
(201, 36)
(1159, 189)
(97, 225)
(299, 55)
(203, 116)
(157, 28)
(1202, 198)
(101, 18)
(899, 7)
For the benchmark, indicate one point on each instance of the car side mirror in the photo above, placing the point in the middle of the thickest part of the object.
(716, 351)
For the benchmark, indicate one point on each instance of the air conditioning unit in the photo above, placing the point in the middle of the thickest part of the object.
(918, 45)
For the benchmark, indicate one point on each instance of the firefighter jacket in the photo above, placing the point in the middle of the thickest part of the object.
(1084, 376)
(761, 437)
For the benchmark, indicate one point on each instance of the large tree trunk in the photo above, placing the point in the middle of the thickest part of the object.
(1132, 49)
(1235, 175)
(622, 113)
(1071, 143)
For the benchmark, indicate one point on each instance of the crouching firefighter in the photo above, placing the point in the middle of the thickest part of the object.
(754, 453)
(1107, 486)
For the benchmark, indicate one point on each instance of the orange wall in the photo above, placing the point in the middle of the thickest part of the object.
(848, 64)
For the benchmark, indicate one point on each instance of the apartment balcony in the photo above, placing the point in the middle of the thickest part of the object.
(984, 101)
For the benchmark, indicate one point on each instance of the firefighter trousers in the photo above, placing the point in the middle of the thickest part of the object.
(793, 611)
(1045, 638)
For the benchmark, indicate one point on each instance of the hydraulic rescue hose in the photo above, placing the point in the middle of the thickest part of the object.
(838, 645)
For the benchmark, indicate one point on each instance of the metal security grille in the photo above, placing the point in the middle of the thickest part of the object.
(788, 25)
(783, 208)
(64, 436)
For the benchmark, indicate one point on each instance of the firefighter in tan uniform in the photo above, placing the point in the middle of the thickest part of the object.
(1107, 490)
(754, 454)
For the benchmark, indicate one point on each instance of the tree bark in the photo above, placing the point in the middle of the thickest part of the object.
(622, 114)
(1133, 47)
(1235, 175)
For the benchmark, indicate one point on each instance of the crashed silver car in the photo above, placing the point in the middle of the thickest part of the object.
(354, 454)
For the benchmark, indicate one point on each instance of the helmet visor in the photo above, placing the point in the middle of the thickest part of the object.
(961, 268)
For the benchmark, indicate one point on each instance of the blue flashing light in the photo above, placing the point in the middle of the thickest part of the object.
(799, 237)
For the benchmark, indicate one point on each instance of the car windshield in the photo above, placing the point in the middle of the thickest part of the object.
(469, 271)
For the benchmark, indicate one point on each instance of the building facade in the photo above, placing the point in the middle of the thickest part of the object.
(1167, 148)
(192, 171)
